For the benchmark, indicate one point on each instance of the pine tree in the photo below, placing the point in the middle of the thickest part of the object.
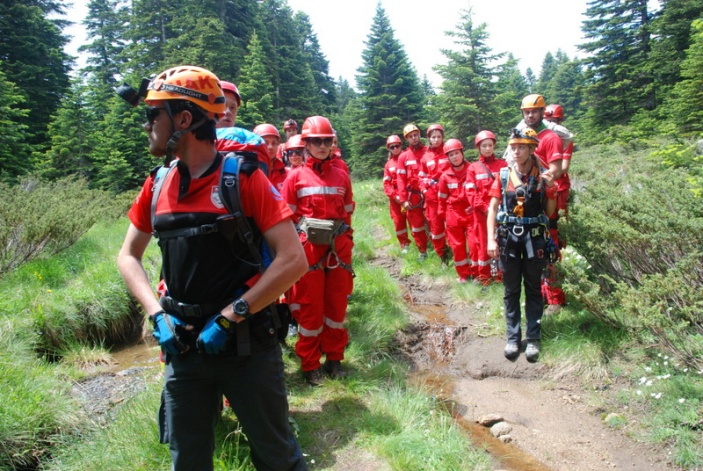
(390, 96)
(686, 104)
(255, 87)
(14, 150)
(318, 64)
(33, 59)
(510, 87)
(106, 25)
(620, 81)
(468, 91)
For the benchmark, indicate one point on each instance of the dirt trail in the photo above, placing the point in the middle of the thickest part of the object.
(554, 427)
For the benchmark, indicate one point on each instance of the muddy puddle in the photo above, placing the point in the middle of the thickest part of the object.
(141, 354)
(432, 343)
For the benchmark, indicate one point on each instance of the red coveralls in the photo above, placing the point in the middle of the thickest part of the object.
(479, 181)
(454, 208)
(390, 188)
(277, 173)
(564, 185)
(409, 190)
(433, 164)
(550, 149)
(318, 301)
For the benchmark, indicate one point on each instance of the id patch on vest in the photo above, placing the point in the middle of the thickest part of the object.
(215, 197)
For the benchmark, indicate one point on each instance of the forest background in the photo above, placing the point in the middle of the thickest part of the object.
(72, 153)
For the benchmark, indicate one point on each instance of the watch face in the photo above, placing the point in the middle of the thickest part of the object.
(240, 307)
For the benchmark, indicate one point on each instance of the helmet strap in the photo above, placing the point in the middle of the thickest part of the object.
(176, 136)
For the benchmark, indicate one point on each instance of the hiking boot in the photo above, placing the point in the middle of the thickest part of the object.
(532, 351)
(511, 350)
(314, 377)
(334, 369)
(446, 258)
(423, 256)
(292, 331)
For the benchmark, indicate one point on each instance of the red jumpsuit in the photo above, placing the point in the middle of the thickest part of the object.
(318, 301)
(479, 181)
(550, 149)
(409, 190)
(454, 208)
(277, 173)
(390, 188)
(564, 185)
(433, 164)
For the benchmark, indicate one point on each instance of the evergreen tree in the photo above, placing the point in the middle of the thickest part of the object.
(105, 24)
(71, 131)
(33, 59)
(531, 79)
(318, 64)
(511, 87)
(620, 80)
(14, 150)
(390, 96)
(549, 68)
(671, 30)
(255, 87)
(686, 104)
(566, 88)
(469, 88)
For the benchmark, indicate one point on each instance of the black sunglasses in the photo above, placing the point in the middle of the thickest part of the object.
(318, 141)
(296, 152)
(153, 112)
(396, 146)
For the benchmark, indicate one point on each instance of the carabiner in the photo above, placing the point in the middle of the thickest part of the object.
(518, 230)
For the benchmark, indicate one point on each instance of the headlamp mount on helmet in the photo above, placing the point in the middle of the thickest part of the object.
(132, 96)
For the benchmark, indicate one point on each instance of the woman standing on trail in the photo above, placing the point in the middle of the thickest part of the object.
(521, 201)
(320, 196)
(390, 188)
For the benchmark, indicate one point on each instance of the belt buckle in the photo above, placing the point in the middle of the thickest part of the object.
(518, 230)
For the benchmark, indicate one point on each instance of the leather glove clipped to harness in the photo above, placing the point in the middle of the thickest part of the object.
(167, 330)
(213, 337)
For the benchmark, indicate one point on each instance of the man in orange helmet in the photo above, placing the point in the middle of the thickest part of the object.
(550, 155)
(212, 326)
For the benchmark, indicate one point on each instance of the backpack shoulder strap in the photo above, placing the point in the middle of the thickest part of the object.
(504, 174)
(161, 174)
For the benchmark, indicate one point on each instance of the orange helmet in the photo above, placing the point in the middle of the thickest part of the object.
(393, 139)
(186, 82)
(482, 136)
(554, 111)
(409, 128)
(290, 124)
(435, 127)
(523, 136)
(294, 142)
(232, 88)
(533, 101)
(317, 126)
(453, 144)
(267, 130)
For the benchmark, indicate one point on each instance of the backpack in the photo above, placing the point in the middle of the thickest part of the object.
(230, 225)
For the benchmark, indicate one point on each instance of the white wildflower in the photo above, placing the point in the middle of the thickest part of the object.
(639, 393)
(648, 383)
(643, 379)
(682, 400)
(647, 369)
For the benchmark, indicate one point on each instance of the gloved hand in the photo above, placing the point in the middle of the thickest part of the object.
(167, 332)
(213, 337)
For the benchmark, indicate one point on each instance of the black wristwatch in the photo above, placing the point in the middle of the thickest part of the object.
(241, 308)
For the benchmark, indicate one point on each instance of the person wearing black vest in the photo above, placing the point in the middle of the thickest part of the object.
(518, 236)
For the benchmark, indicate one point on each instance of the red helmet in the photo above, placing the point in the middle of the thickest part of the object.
(294, 142)
(266, 130)
(393, 139)
(317, 126)
(232, 88)
(435, 127)
(554, 111)
(482, 136)
(290, 124)
(453, 144)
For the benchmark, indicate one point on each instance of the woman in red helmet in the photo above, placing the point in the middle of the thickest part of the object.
(480, 179)
(390, 188)
(433, 163)
(272, 138)
(320, 196)
(454, 207)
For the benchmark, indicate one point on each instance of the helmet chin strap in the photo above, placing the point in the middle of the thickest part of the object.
(176, 136)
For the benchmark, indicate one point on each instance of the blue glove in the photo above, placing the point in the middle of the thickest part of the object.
(213, 337)
(166, 332)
